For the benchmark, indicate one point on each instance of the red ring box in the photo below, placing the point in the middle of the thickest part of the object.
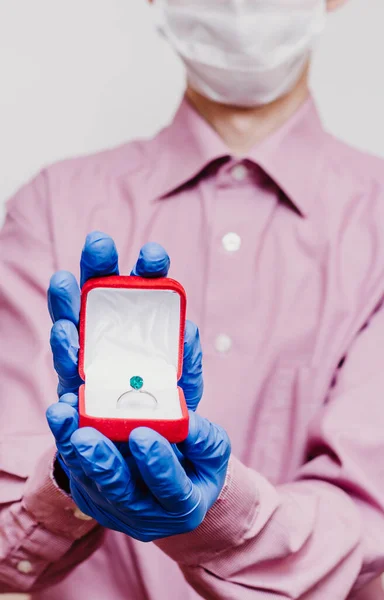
(130, 326)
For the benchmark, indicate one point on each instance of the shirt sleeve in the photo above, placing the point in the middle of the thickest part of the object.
(42, 534)
(320, 536)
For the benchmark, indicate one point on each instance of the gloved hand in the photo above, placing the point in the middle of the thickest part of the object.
(146, 487)
(99, 258)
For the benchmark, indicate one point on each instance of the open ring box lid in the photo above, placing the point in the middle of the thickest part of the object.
(130, 326)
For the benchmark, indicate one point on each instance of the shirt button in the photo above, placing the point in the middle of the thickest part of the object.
(24, 566)
(80, 515)
(223, 343)
(231, 242)
(239, 172)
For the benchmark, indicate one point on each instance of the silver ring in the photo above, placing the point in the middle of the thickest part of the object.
(136, 382)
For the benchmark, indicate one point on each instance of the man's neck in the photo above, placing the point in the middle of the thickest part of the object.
(243, 128)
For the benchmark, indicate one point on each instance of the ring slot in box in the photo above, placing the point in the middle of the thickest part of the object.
(131, 356)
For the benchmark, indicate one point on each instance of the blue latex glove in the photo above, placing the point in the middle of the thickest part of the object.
(146, 487)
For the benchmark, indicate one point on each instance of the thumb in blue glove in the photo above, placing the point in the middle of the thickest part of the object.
(205, 455)
(177, 493)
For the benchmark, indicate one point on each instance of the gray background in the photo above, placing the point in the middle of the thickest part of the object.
(76, 77)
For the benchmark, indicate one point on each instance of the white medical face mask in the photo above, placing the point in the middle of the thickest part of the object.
(242, 52)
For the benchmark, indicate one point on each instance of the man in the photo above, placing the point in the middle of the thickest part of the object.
(276, 230)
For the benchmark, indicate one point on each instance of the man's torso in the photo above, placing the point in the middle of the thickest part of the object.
(282, 270)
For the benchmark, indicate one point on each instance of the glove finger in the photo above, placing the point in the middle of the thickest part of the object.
(65, 348)
(162, 472)
(191, 380)
(153, 261)
(63, 421)
(70, 399)
(208, 448)
(64, 297)
(103, 464)
(206, 442)
(99, 257)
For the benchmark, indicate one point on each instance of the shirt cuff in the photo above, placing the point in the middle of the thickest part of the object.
(243, 507)
(50, 506)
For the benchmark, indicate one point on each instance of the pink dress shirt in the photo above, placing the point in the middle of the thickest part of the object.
(282, 256)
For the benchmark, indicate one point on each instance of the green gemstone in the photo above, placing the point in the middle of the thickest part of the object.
(136, 382)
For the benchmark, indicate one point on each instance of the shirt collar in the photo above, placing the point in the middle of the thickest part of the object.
(292, 156)
(185, 148)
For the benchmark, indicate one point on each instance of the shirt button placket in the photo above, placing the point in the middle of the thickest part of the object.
(231, 178)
